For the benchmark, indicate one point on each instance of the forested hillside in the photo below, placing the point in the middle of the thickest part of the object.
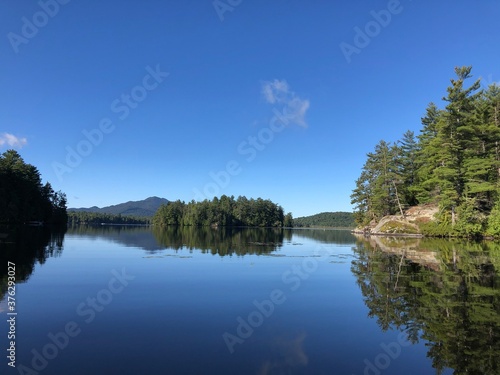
(23, 197)
(223, 211)
(326, 219)
(454, 163)
(143, 208)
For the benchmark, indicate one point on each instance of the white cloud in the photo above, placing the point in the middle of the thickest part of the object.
(294, 108)
(12, 141)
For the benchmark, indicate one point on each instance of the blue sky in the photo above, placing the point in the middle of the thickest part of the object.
(179, 99)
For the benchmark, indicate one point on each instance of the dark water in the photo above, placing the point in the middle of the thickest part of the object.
(114, 300)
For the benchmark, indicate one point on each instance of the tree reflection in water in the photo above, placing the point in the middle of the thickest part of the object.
(446, 292)
(26, 246)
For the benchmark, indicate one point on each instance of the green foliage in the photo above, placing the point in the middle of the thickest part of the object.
(470, 222)
(398, 227)
(436, 229)
(96, 218)
(23, 197)
(225, 211)
(327, 219)
(455, 163)
(494, 221)
(288, 221)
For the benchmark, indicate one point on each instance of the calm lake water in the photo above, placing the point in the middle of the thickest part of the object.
(135, 300)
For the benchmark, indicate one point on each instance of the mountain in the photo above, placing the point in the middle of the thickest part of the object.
(326, 219)
(146, 207)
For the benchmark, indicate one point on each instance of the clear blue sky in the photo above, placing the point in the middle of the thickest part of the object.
(92, 64)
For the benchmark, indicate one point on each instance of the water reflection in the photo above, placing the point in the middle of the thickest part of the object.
(446, 292)
(330, 236)
(223, 241)
(126, 235)
(26, 246)
(218, 241)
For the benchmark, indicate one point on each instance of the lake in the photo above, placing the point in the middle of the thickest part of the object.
(139, 300)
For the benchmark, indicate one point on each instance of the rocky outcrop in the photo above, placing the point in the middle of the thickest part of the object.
(397, 225)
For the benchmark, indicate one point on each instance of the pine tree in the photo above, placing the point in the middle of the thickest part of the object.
(407, 162)
(455, 162)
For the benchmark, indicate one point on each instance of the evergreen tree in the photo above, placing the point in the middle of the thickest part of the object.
(223, 211)
(23, 198)
(408, 166)
(376, 193)
(453, 163)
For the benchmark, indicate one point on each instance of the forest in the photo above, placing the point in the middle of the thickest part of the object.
(454, 163)
(326, 219)
(97, 218)
(23, 197)
(223, 211)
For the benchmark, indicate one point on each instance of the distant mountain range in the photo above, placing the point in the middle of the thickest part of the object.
(146, 207)
(326, 219)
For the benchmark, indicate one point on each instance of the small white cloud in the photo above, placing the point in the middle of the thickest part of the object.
(295, 108)
(12, 141)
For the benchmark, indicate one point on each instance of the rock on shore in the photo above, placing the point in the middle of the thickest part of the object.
(399, 225)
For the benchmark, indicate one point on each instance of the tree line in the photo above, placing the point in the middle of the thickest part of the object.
(326, 219)
(97, 218)
(453, 163)
(23, 197)
(223, 211)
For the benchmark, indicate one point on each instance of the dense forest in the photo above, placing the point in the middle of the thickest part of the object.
(83, 217)
(23, 197)
(454, 163)
(223, 211)
(326, 219)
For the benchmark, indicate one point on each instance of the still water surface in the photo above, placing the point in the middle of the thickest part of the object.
(135, 300)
